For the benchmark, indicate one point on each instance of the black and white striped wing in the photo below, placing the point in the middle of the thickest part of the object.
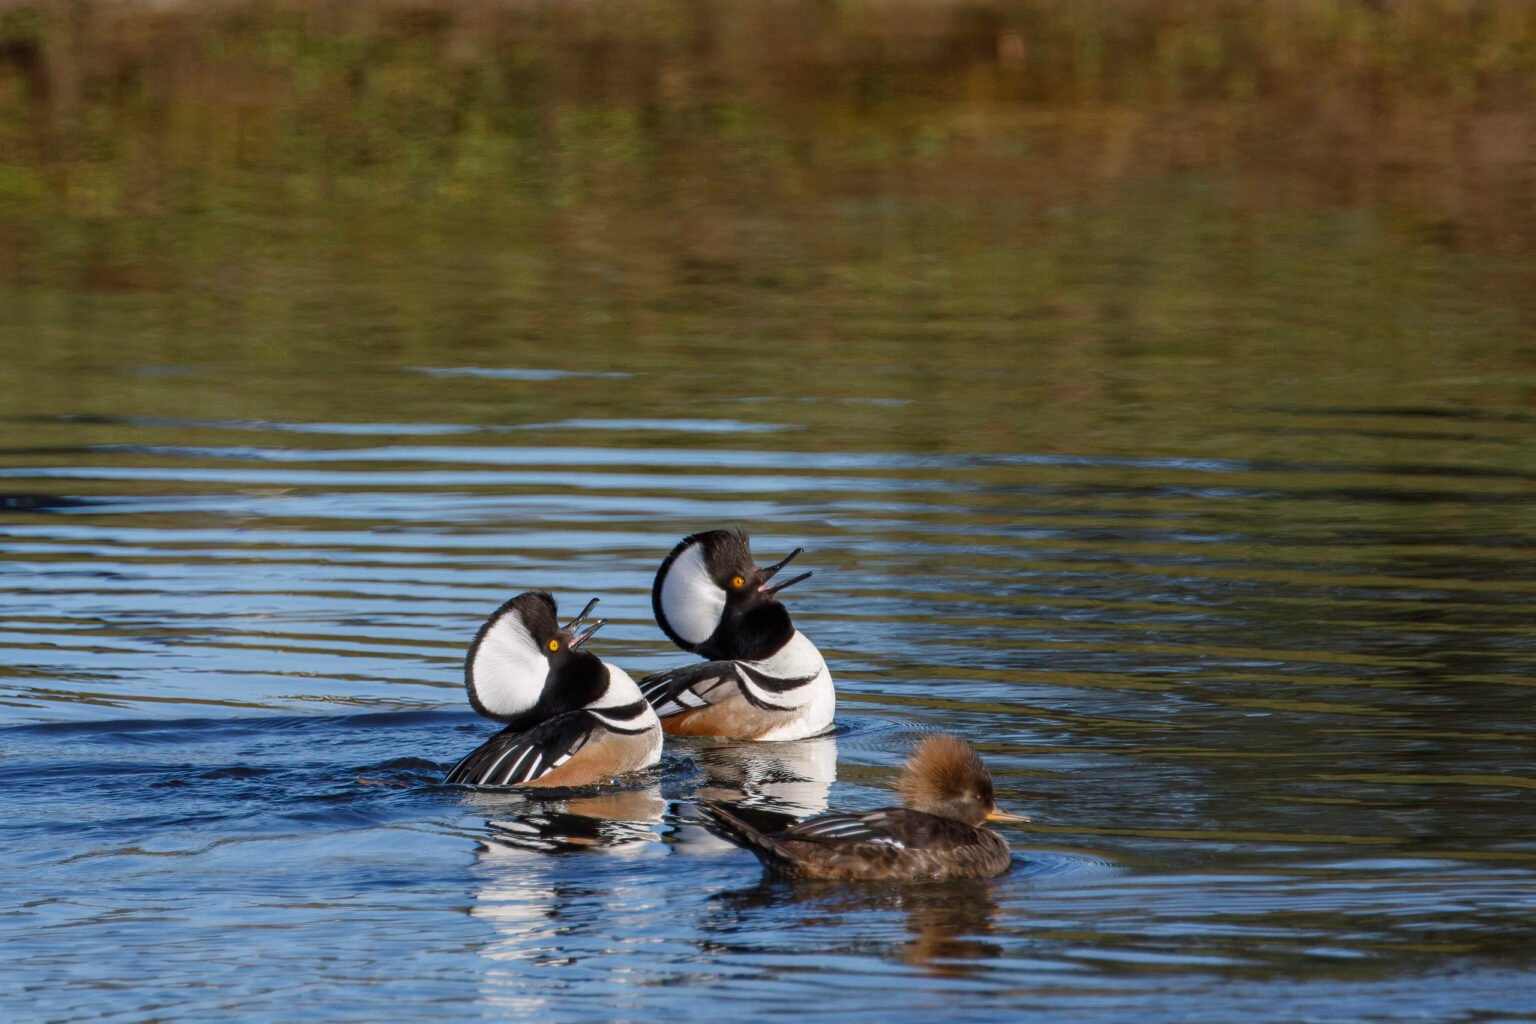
(869, 827)
(690, 687)
(512, 758)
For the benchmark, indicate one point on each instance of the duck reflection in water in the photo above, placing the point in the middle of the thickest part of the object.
(948, 924)
(538, 909)
(774, 784)
(613, 820)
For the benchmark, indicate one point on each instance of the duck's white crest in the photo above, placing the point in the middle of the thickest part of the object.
(507, 669)
(691, 601)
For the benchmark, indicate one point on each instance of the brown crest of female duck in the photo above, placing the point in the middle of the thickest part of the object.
(764, 679)
(947, 795)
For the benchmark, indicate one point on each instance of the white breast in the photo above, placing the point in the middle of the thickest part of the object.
(809, 708)
(795, 660)
(621, 691)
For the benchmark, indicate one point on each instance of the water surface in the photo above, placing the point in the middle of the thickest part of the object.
(1197, 493)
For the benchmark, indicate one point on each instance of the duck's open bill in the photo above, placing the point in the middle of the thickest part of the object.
(570, 627)
(786, 584)
(577, 639)
(781, 563)
(584, 635)
(997, 815)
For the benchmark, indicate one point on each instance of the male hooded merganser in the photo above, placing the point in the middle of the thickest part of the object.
(571, 719)
(937, 835)
(764, 679)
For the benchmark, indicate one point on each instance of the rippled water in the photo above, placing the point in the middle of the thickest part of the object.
(1271, 717)
(1166, 429)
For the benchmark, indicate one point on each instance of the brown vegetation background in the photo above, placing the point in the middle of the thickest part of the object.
(851, 183)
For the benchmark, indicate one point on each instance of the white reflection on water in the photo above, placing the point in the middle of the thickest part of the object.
(792, 779)
(543, 911)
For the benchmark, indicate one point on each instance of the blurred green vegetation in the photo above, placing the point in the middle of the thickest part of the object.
(978, 204)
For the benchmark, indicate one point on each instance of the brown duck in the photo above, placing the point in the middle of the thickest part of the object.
(947, 793)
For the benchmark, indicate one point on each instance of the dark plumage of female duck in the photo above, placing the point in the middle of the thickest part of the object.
(947, 793)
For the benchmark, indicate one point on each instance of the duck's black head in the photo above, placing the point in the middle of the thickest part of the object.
(524, 666)
(711, 598)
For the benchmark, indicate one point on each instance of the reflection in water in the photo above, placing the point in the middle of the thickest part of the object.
(605, 820)
(947, 923)
(793, 777)
(536, 913)
(773, 784)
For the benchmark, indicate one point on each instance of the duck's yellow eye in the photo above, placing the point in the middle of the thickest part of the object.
(738, 582)
(554, 645)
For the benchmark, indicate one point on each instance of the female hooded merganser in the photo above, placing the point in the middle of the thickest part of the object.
(571, 719)
(937, 835)
(764, 679)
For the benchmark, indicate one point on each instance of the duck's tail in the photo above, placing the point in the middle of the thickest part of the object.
(731, 828)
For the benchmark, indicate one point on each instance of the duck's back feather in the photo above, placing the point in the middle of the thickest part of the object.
(890, 844)
(570, 749)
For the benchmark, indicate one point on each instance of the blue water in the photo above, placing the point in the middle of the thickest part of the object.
(1271, 718)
